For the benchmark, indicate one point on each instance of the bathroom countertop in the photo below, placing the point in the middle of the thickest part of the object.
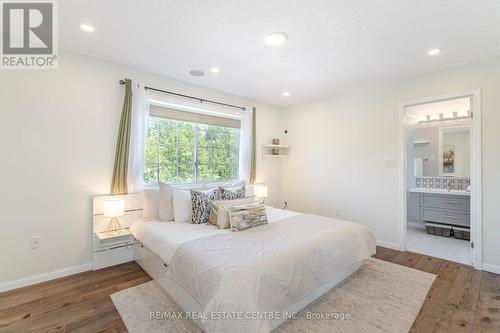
(438, 191)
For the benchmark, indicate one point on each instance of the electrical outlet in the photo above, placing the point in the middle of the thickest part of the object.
(35, 242)
(338, 212)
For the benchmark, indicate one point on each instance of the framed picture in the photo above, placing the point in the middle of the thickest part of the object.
(448, 159)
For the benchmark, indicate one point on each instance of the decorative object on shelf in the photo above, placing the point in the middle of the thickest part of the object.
(464, 114)
(114, 208)
(276, 148)
(260, 191)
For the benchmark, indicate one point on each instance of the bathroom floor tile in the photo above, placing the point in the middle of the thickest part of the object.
(448, 248)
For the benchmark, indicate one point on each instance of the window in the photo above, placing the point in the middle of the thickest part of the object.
(179, 150)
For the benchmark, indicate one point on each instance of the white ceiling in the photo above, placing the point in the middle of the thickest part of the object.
(333, 45)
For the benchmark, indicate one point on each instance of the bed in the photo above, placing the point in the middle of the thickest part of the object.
(252, 280)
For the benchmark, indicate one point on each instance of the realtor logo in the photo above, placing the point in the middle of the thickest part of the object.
(29, 38)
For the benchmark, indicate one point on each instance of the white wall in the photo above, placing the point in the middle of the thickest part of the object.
(339, 145)
(57, 136)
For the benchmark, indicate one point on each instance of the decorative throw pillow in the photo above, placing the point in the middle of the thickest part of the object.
(166, 203)
(219, 211)
(183, 210)
(150, 200)
(231, 193)
(247, 216)
(200, 201)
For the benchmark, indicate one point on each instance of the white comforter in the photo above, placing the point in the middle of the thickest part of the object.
(265, 269)
(163, 238)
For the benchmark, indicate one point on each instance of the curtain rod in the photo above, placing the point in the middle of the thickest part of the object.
(202, 100)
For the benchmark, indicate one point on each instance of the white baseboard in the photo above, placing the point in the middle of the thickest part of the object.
(389, 245)
(6, 286)
(491, 268)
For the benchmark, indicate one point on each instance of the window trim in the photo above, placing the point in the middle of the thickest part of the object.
(194, 117)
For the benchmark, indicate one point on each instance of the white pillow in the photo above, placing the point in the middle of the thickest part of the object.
(150, 204)
(165, 206)
(182, 208)
(233, 186)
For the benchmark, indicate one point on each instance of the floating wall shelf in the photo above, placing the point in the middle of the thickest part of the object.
(276, 156)
(276, 146)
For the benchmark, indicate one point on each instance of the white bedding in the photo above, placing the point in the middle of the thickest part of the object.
(260, 270)
(163, 238)
(265, 269)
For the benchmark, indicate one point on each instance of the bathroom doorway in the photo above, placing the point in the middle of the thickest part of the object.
(440, 177)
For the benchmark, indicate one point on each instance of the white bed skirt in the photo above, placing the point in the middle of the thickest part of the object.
(157, 270)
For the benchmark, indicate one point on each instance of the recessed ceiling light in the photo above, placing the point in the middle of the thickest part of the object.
(276, 38)
(196, 72)
(433, 52)
(215, 70)
(286, 93)
(87, 27)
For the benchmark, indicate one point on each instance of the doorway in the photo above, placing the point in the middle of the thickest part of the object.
(440, 177)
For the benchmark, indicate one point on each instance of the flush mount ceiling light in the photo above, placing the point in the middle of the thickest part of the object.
(215, 70)
(196, 72)
(276, 38)
(87, 27)
(433, 52)
(286, 93)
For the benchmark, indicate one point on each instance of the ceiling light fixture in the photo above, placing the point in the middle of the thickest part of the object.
(87, 28)
(215, 70)
(433, 52)
(286, 93)
(276, 38)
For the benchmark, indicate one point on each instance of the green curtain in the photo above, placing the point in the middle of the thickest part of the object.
(253, 162)
(119, 182)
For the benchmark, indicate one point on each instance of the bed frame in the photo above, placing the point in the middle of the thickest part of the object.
(157, 269)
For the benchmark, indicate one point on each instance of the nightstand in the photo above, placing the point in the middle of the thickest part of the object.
(110, 250)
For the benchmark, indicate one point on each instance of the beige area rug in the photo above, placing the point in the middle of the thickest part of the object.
(379, 297)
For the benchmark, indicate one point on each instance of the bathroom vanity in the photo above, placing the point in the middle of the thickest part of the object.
(451, 207)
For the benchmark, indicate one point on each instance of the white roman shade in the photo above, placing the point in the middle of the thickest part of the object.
(194, 117)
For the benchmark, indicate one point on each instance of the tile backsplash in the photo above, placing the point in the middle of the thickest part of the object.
(456, 183)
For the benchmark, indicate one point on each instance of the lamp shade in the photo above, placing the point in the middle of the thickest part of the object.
(114, 207)
(260, 190)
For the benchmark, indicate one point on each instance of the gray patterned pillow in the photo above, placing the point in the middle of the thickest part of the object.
(247, 216)
(231, 193)
(200, 201)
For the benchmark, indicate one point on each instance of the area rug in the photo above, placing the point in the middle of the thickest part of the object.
(379, 297)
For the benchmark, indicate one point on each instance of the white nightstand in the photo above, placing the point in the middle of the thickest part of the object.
(110, 250)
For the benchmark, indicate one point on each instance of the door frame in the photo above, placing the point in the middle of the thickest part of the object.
(475, 169)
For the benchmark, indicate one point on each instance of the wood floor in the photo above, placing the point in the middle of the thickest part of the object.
(461, 299)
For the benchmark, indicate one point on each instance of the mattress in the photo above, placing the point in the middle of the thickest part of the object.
(163, 238)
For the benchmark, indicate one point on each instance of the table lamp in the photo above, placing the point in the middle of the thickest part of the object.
(260, 191)
(114, 208)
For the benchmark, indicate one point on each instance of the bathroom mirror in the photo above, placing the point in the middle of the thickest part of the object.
(439, 151)
(454, 151)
